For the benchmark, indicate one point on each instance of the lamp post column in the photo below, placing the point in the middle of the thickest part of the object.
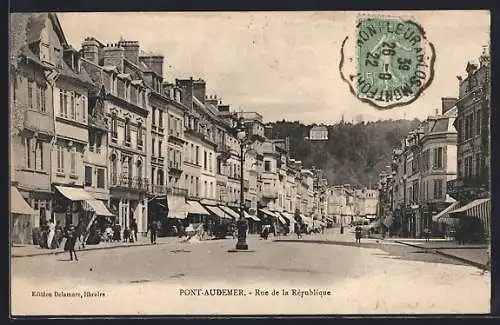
(242, 223)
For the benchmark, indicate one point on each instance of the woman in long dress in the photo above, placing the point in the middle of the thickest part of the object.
(50, 237)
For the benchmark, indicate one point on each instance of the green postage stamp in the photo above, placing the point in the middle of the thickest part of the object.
(388, 62)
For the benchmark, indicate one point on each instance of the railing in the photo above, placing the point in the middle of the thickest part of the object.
(124, 181)
(158, 188)
(177, 191)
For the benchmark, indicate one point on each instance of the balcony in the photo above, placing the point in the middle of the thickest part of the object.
(97, 123)
(174, 168)
(158, 189)
(36, 121)
(177, 191)
(221, 179)
(129, 183)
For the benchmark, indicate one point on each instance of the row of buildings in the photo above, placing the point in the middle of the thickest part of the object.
(440, 175)
(100, 131)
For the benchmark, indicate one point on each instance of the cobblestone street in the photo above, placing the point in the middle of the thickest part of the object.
(373, 278)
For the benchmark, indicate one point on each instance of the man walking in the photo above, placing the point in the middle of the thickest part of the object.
(71, 237)
(153, 229)
(133, 227)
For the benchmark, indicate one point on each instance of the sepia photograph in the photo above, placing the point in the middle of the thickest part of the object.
(250, 163)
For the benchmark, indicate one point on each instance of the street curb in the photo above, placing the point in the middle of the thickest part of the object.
(451, 256)
(84, 250)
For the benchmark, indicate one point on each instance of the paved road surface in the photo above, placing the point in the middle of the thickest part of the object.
(371, 278)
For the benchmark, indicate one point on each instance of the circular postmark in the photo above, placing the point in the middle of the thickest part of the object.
(388, 62)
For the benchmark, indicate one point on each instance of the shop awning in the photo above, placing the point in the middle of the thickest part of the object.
(197, 208)
(179, 211)
(306, 219)
(18, 204)
(218, 212)
(75, 193)
(269, 213)
(480, 209)
(99, 208)
(249, 216)
(230, 211)
(288, 216)
(445, 212)
(281, 219)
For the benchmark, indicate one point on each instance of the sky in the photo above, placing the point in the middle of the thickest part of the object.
(284, 65)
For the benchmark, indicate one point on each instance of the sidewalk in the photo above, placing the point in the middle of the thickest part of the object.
(36, 250)
(472, 254)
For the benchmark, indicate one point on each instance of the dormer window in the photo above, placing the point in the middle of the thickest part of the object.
(45, 52)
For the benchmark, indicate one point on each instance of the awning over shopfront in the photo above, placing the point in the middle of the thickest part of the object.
(480, 209)
(445, 212)
(269, 213)
(75, 193)
(99, 208)
(306, 219)
(218, 212)
(229, 211)
(249, 216)
(18, 204)
(281, 219)
(179, 211)
(288, 216)
(197, 208)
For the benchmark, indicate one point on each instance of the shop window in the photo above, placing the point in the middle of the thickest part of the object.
(88, 176)
(101, 177)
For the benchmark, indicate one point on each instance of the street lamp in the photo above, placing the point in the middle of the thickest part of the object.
(242, 223)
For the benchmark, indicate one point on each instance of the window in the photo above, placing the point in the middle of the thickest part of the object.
(478, 122)
(153, 175)
(114, 126)
(153, 116)
(204, 160)
(73, 162)
(30, 94)
(139, 135)
(212, 190)
(120, 88)
(470, 166)
(159, 148)
(72, 108)
(88, 176)
(267, 166)
(198, 155)
(192, 156)
(438, 188)
(63, 103)
(210, 163)
(478, 164)
(459, 169)
(153, 142)
(29, 152)
(100, 178)
(39, 155)
(438, 158)
(40, 98)
(60, 159)
(78, 106)
(205, 189)
(160, 118)
(138, 165)
(127, 130)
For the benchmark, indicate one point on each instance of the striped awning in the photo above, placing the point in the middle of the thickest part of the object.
(229, 211)
(250, 216)
(218, 212)
(288, 216)
(445, 212)
(18, 204)
(197, 208)
(269, 213)
(480, 208)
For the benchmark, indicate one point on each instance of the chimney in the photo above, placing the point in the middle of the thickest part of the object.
(90, 50)
(447, 103)
(186, 86)
(114, 55)
(131, 49)
(199, 89)
(154, 62)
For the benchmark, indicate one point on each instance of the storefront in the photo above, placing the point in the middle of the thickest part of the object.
(69, 205)
(474, 221)
(23, 218)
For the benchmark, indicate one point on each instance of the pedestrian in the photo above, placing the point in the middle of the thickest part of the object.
(134, 229)
(71, 236)
(358, 233)
(59, 234)
(427, 234)
(153, 229)
(298, 230)
(80, 232)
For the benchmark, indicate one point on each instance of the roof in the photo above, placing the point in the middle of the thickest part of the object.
(440, 125)
(36, 23)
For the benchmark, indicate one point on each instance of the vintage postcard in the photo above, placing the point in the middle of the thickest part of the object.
(223, 163)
